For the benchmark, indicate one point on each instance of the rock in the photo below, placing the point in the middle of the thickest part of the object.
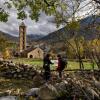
(18, 70)
(62, 87)
(38, 80)
(92, 93)
(1, 61)
(96, 83)
(48, 92)
(11, 70)
(19, 76)
(32, 73)
(15, 75)
(11, 65)
(25, 75)
(62, 84)
(9, 98)
(32, 92)
(3, 94)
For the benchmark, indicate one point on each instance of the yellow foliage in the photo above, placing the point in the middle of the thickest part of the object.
(94, 45)
(6, 54)
(77, 45)
(74, 25)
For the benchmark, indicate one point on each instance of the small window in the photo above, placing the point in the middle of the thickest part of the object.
(38, 51)
(31, 56)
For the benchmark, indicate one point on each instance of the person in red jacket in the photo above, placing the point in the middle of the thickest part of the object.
(60, 66)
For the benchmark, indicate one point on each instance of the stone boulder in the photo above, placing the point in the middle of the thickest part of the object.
(38, 80)
(9, 98)
(32, 92)
(62, 87)
(48, 92)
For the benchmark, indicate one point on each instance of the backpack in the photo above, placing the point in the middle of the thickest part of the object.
(63, 63)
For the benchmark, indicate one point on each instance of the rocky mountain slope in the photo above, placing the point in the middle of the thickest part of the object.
(85, 31)
(30, 37)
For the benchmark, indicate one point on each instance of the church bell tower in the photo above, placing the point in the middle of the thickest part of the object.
(22, 37)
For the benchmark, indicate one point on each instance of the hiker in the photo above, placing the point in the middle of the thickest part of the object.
(61, 65)
(46, 67)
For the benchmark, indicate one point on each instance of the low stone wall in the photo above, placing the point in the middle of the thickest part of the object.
(10, 70)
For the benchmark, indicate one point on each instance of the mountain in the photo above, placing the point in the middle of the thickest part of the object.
(33, 37)
(9, 37)
(85, 31)
(58, 35)
(90, 20)
(30, 37)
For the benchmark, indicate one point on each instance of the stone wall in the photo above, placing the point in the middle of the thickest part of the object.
(10, 70)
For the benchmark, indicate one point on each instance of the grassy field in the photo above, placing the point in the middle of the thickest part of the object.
(39, 63)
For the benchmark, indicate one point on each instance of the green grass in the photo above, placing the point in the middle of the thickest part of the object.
(75, 65)
(39, 63)
(27, 61)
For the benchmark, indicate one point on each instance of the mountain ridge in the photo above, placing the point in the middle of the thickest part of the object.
(55, 36)
(30, 37)
(84, 31)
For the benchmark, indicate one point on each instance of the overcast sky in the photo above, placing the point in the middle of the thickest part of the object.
(43, 26)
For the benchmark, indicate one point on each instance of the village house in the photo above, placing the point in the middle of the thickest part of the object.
(35, 53)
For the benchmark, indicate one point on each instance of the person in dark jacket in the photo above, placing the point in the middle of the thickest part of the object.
(61, 65)
(46, 67)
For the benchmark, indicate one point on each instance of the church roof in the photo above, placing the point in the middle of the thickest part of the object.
(30, 49)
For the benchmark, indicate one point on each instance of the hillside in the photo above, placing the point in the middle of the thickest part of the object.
(30, 37)
(8, 37)
(85, 31)
(33, 37)
(62, 33)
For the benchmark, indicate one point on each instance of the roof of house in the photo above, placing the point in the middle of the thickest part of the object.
(30, 49)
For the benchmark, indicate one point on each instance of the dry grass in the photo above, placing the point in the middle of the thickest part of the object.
(14, 86)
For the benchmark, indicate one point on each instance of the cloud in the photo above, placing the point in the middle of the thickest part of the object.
(86, 8)
(43, 26)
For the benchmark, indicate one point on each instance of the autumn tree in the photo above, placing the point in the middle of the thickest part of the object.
(62, 10)
(94, 51)
(3, 43)
(6, 53)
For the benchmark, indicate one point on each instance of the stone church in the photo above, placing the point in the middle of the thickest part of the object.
(28, 52)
